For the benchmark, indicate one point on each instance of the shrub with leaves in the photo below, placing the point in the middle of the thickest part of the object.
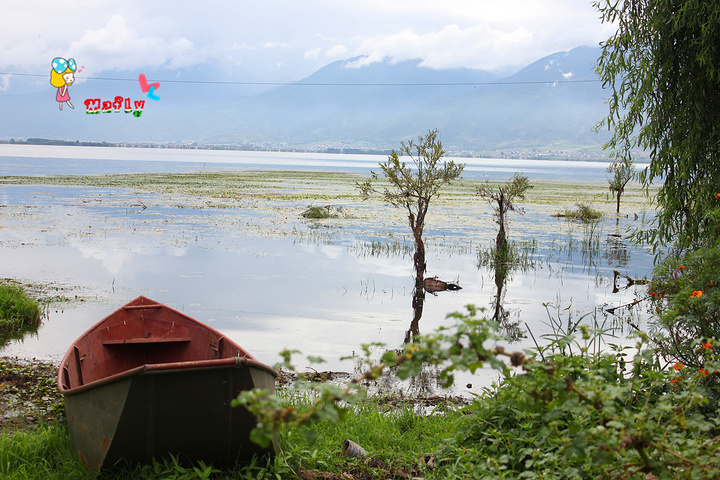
(687, 300)
(620, 414)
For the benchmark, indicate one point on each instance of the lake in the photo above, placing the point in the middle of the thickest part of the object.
(257, 271)
(67, 160)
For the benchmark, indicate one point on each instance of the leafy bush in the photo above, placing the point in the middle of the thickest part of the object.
(583, 213)
(623, 414)
(319, 213)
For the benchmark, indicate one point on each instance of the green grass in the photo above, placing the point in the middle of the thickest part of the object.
(44, 453)
(18, 312)
(395, 438)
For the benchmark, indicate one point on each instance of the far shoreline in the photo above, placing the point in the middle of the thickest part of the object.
(588, 154)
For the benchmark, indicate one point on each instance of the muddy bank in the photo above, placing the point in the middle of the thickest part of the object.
(28, 394)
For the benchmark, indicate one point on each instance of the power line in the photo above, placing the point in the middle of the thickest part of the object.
(330, 84)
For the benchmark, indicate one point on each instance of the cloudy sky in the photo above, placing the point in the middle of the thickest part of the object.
(285, 40)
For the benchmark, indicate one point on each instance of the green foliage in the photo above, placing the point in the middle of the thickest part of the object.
(18, 312)
(451, 349)
(502, 199)
(412, 187)
(663, 68)
(592, 414)
(623, 171)
(45, 453)
(513, 189)
(171, 469)
(320, 213)
(583, 213)
(396, 438)
(688, 304)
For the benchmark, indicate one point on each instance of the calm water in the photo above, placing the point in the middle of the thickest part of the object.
(50, 160)
(320, 292)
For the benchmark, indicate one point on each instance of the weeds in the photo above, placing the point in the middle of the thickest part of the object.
(45, 453)
(320, 213)
(583, 213)
(516, 256)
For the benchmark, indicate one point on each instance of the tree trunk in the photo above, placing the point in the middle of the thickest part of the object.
(419, 262)
(501, 241)
(618, 202)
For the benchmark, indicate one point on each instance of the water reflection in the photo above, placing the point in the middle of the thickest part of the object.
(502, 261)
(323, 291)
(618, 253)
(418, 301)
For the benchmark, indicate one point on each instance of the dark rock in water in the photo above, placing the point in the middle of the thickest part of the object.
(433, 284)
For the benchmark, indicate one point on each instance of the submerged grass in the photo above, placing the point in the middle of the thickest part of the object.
(326, 186)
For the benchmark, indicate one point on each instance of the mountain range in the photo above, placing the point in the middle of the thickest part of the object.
(551, 105)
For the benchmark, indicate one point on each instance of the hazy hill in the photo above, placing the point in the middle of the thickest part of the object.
(551, 104)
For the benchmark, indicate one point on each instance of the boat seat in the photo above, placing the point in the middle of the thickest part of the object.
(146, 340)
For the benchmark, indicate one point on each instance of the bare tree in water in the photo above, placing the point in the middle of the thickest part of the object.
(413, 186)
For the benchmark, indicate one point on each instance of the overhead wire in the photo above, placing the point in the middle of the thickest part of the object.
(331, 84)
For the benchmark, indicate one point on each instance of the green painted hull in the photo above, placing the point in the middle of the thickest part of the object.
(179, 407)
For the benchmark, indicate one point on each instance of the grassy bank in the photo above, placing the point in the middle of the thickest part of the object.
(399, 444)
(18, 312)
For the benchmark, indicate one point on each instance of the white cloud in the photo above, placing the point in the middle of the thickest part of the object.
(300, 36)
(336, 51)
(480, 46)
(119, 47)
(313, 54)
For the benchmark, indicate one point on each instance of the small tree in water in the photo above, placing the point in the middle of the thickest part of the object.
(502, 198)
(623, 171)
(413, 187)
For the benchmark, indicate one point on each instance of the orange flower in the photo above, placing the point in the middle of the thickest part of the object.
(696, 293)
(717, 195)
(681, 267)
(706, 345)
(653, 294)
(678, 366)
(703, 372)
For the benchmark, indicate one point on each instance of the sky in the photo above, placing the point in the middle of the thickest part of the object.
(287, 40)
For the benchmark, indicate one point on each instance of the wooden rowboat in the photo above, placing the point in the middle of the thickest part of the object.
(147, 381)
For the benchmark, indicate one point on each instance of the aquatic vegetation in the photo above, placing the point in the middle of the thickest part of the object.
(319, 213)
(516, 256)
(583, 213)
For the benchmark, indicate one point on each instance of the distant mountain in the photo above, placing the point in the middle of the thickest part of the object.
(552, 104)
